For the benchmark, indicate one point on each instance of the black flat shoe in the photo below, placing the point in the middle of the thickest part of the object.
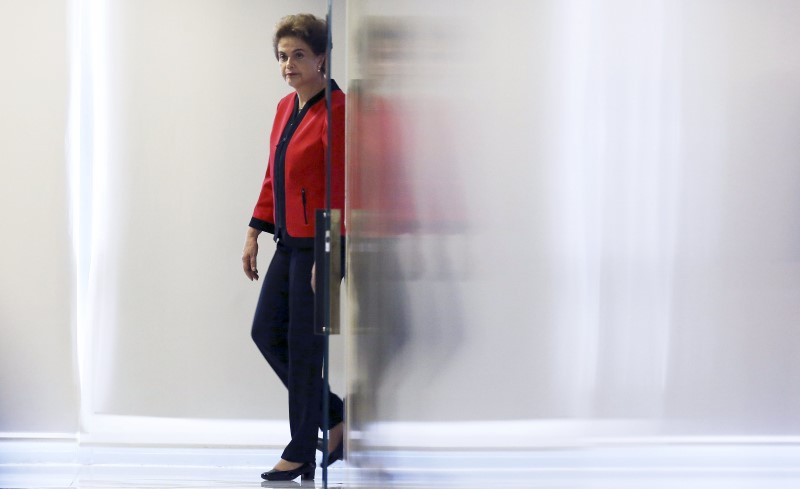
(305, 471)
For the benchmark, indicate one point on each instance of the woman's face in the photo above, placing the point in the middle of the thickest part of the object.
(299, 65)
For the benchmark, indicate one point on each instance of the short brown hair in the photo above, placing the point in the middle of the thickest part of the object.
(306, 27)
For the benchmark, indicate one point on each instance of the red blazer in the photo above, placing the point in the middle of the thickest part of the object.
(303, 189)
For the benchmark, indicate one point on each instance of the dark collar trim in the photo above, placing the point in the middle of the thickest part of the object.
(313, 100)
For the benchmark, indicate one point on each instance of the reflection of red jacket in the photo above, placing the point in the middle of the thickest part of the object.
(303, 189)
(380, 184)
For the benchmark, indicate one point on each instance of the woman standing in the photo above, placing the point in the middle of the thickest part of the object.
(294, 187)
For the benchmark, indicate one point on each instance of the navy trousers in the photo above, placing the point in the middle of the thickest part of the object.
(283, 330)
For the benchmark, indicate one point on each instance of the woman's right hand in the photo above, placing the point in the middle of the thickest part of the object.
(250, 253)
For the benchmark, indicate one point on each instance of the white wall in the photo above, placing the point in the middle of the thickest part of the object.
(173, 103)
(37, 375)
(190, 91)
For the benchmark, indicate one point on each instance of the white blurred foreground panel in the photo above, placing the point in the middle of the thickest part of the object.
(573, 222)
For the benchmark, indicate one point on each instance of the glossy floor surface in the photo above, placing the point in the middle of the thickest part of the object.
(678, 467)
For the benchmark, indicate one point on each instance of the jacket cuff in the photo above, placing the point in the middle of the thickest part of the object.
(265, 226)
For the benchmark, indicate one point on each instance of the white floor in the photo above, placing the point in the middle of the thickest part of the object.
(639, 467)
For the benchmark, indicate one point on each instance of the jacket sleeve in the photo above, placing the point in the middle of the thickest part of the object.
(337, 156)
(264, 214)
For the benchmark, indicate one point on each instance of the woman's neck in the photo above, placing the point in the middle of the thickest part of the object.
(306, 92)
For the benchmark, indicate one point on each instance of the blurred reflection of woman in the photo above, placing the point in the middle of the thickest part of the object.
(283, 326)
